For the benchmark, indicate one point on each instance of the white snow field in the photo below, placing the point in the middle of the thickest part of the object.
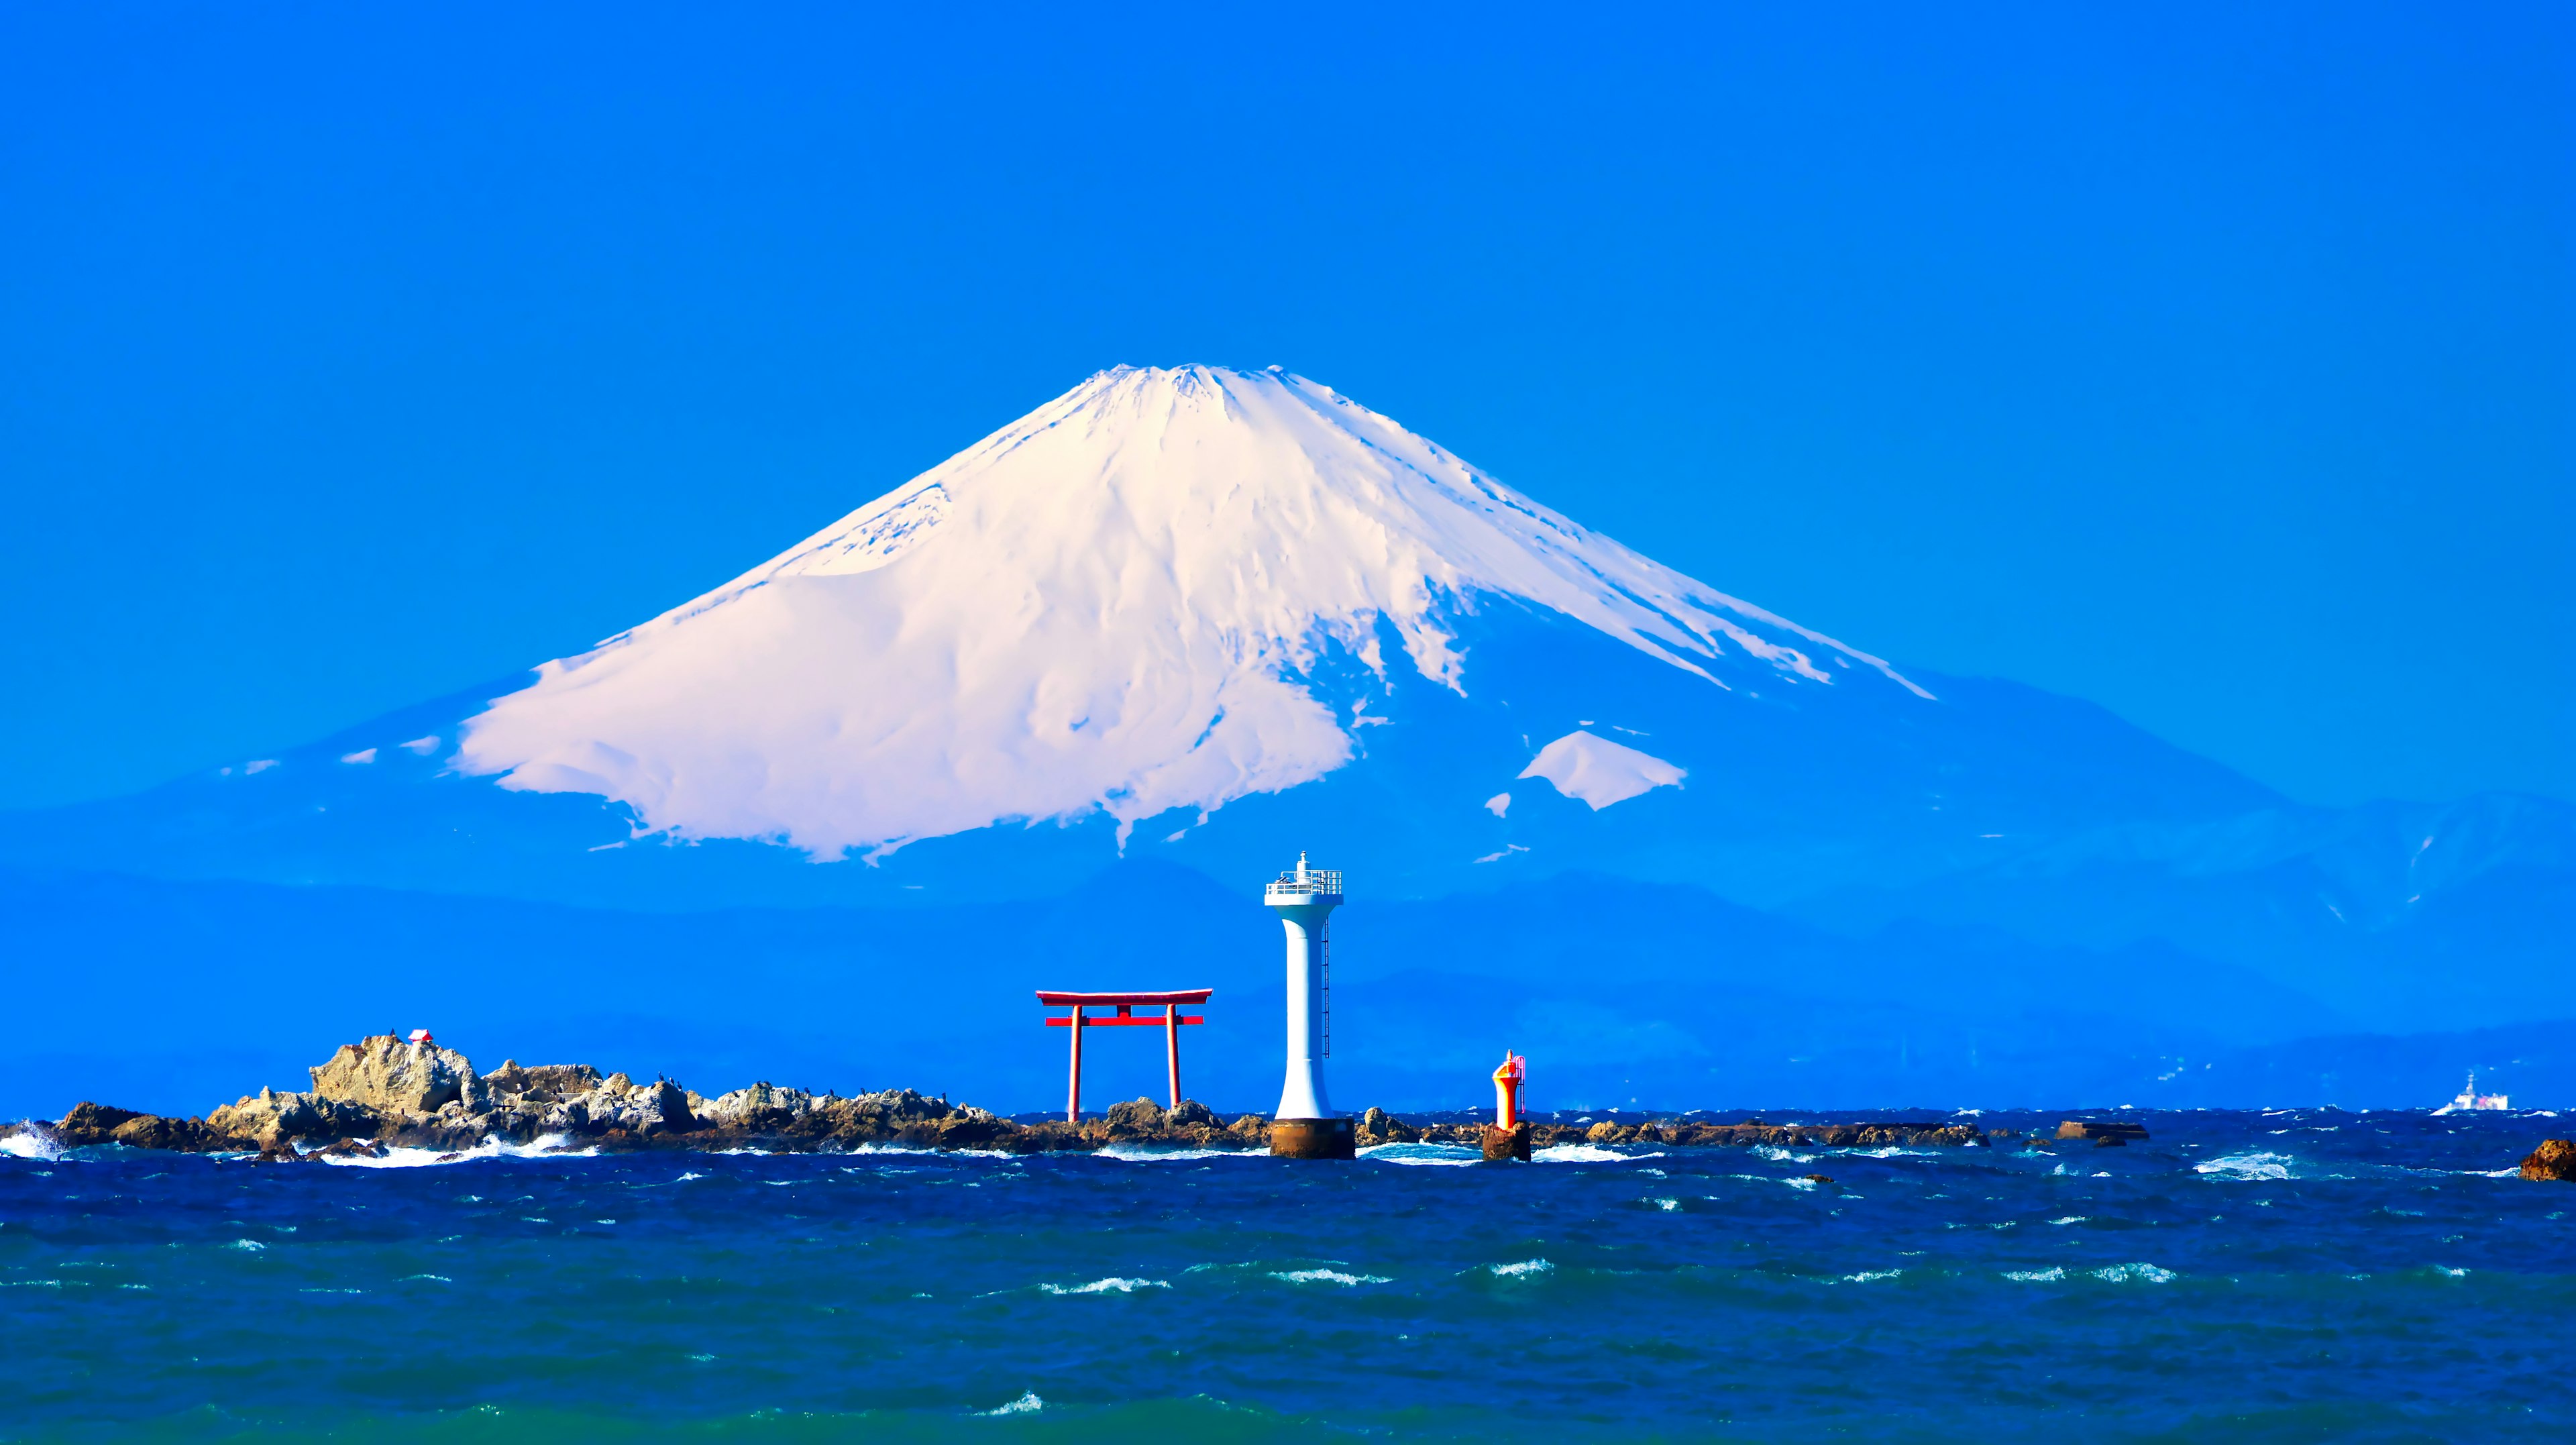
(1599, 772)
(1107, 605)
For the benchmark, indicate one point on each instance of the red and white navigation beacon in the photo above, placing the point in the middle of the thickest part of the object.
(1507, 1089)
(1509, 1135)
(421, 1036)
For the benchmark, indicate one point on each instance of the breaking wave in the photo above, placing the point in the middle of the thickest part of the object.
(2254, 1166)
(1114, 1284)
(1586, 1154)
(1436, 1154)
(1147, 1154)
(1328, 1276)
(544, 1146)
(31, 1144)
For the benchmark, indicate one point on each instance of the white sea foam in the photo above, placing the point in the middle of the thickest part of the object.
(1585, 1154)
(1669, 1206)
(1779, 1155)
(2069, 1219)
(1025, 1405)
(2139, 1272)
(29, 1144)
(1147, 1154)
(1867, 1275)
(1328, 1276)
(2247, 1166)
(247, 1246)
(2035, 1276)
(1803, 1184)
(908, 1149)
(1524, 1269)
(1112, 1285)
(1434, 1154)
(545, 1146)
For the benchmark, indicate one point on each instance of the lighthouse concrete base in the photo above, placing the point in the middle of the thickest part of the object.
(1312, 1139)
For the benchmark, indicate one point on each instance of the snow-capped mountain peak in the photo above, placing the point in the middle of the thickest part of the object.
(1108, 605)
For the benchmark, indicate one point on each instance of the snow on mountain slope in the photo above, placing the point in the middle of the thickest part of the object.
(1598, 772)
(1110, 605)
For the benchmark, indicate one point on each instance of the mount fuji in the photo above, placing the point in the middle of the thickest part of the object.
(1101, 673)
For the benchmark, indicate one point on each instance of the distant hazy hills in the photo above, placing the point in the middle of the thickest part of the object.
(1048, 715)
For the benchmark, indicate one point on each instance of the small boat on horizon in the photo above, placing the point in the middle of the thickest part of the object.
(2469, 1099)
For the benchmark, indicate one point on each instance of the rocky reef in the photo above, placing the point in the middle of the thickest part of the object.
(1379, 1127)
(2555, 1159)
(383, 1093)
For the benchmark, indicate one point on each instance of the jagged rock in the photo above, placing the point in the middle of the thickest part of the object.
(1607, 1132)
(154, 1131)
(1134, 1119)
(2100, 1129)
(1191, 1114)
(1501, 1144)
(91, 1123)
(762, 1106)
(1377, 1126)
(390, 1076)
(1253, 1130)
(542, 1084)
(621, 1104)
(2554, 1159)
(269, 1119)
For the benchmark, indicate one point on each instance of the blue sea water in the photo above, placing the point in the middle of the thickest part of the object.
(2241, 1276)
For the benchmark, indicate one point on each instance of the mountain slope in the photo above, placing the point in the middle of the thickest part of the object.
(1205, 619)
(1107, 606)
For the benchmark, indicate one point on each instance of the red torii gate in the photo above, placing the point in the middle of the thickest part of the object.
(1170, 1023)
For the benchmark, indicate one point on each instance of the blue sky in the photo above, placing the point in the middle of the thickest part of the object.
(2213, 366)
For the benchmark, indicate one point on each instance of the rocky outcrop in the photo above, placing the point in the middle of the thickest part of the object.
(1784, 1136)
(384, 1092)
(2554, 1159)
(89, 1123)
(268, 1119)
(2101, 1131)
(393, 1076)
(1377, 1126)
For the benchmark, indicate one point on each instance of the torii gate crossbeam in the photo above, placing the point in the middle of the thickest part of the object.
(1125, 1003)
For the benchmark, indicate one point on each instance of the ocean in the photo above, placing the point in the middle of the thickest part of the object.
(2284, 1276)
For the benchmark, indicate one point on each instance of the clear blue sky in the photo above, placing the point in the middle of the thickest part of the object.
(2215, 366)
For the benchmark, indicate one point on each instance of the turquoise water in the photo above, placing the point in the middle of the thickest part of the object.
(2240, 1277)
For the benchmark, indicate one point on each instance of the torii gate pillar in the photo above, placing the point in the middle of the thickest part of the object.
(1125, 1005)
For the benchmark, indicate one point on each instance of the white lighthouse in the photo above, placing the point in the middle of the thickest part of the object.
(1305, 1126)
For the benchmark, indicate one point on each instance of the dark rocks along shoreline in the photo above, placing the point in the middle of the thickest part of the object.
(384, 1093)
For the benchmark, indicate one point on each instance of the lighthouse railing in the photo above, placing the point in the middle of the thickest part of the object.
(1318, 882)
